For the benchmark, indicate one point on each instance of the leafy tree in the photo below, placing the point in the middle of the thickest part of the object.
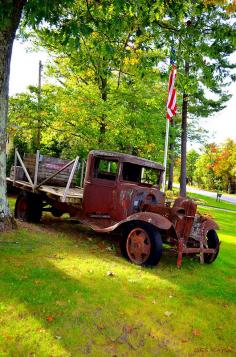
(225, 166)
(114, 38)
(10, 15)
(195, 134)
(216, 167)
(192, 157)
(204, 174)
(70, 115)
(204, 38)
(103, 50)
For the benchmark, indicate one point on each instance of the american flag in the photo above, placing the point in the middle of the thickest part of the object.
(171, 102)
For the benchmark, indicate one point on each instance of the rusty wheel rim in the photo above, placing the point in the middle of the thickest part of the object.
(138, 246)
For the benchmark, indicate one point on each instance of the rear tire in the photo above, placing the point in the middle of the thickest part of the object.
(28, 207)
(56, 212)
(212, 242)
(142, 244)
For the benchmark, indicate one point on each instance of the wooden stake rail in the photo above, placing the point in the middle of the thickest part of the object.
(34, 185)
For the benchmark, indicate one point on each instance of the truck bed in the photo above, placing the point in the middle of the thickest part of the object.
(74, 195)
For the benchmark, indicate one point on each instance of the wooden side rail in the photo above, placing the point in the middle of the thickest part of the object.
(17, 156)
(34, 184)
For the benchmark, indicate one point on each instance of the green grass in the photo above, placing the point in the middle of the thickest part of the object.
(210, 201)
(56, 298)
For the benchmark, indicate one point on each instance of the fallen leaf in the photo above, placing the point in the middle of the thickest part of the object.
(102, 245)
(229, 349)
(196, 332)
(170, 296)
(140, 297)
(154, 302)
(50, 318)
(128, 328)
(40, 329)
(61, 303)
(9, 338)
(168, 313)
(153, 335)
(100, 326)
(184, 340)
(37, 282)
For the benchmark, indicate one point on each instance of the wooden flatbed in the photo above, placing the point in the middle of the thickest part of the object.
(74, 195)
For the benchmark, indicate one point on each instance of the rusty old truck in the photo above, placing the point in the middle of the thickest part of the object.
(115, 192)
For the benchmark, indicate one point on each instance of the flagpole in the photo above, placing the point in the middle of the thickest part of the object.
(171, 110)
(165, 154)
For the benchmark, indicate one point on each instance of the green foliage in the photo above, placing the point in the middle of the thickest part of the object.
(192, 157)
(111, 93)
(22, 147)
(215, 168)
(70, 117)
(105, 47)
(203, 35)
(204, 174)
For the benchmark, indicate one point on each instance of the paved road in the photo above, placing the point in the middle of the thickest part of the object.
(231, 199)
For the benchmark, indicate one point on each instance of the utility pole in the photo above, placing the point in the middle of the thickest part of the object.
(38, 137)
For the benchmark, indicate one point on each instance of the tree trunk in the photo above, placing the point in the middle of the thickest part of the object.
(8, 25)
(103, 88)
(184, 138)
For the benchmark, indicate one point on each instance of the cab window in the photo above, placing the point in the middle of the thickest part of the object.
(140, 174)
(105, 169)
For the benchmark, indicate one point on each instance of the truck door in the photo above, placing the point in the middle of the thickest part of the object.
(100, 191)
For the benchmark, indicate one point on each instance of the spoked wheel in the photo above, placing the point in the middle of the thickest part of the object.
(212, 241)
(142, 244)
(28, 207)
(138, 246)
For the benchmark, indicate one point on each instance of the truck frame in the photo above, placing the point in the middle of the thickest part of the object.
(117, 192)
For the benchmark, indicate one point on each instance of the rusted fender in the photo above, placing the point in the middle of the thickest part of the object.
(149, 217)
(152, 218)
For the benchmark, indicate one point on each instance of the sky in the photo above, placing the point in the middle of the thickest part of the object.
(24, 72)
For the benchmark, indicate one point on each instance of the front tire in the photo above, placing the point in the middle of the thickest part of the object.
(212, 241)
(142, 244)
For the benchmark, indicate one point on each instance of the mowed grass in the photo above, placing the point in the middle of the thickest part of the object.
(65, 291)
(210, 201)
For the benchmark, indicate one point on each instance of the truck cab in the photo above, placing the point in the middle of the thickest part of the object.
(116, 184)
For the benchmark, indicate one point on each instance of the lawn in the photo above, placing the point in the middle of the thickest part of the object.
(211, 202)
(65, 291)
